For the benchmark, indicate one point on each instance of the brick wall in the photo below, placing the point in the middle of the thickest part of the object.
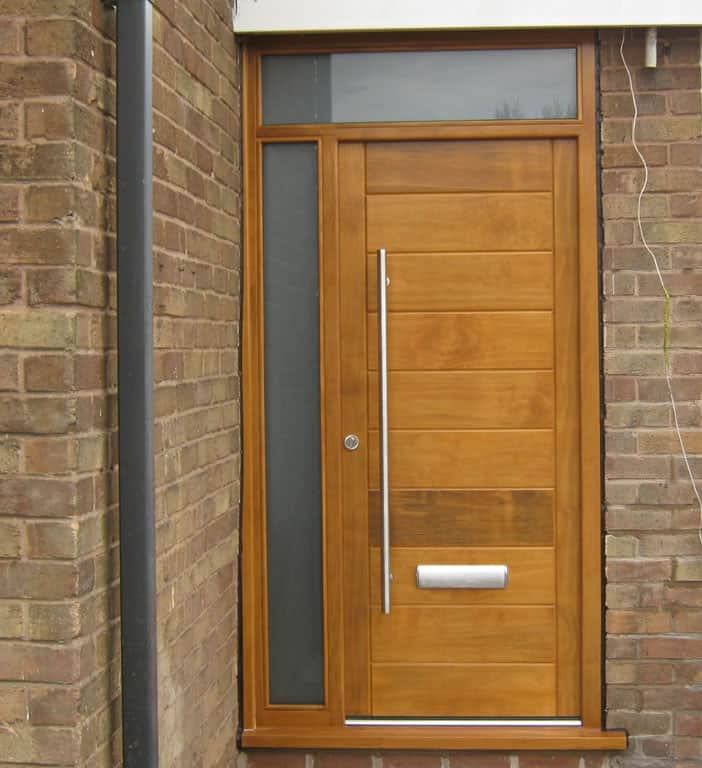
(59, 602)
(196, 303)
(57, 367)
(59, 610)
(654, 556)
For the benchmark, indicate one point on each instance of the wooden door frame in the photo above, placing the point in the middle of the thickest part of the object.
(322, 726)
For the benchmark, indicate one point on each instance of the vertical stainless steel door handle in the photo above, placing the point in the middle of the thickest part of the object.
(384, 432)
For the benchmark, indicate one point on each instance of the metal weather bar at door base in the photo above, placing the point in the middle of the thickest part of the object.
(383, 417)
(473, 722)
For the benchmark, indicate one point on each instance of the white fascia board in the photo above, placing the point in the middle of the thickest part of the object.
(357, 15)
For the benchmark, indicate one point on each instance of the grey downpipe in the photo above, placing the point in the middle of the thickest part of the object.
(137, 528)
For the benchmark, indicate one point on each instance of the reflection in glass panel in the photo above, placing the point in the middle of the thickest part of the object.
(292, 405)
(530, 84)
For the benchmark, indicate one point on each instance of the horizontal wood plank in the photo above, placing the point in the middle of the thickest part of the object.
(460, 222)
(475, 459)
(465, 399)
(464, 281)
(478, 518)
(464, 690)
(531, 576)
(467, 634)
(458, 166)
(464, 341)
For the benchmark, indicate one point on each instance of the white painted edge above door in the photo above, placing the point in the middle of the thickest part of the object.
(356, 15)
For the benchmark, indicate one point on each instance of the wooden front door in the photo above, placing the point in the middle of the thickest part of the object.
(483, 409)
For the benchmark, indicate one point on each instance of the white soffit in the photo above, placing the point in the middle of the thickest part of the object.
(352, 15)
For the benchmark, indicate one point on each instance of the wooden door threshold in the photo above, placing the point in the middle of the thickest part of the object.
(437, 737)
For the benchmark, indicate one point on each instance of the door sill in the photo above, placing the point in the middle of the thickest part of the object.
(436, 737)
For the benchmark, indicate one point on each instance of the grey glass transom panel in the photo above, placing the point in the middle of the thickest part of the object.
(525, 84)
(292, 409)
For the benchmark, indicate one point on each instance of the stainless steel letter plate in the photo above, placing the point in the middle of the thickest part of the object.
(462, 576)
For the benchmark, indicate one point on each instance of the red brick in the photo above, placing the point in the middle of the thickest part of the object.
(53, 706)
(48, 373)
(41, 581)
(53, 622)
(9, 372)
(687, 748)
(339, 759)
(689, 724)
(50, 120)
(39, 664)
(9, 202)
(411, 760)
(38, 246)
(10, 286)
(277, 759)
(485, 760)
(41, 497)
(654, 747)
(25, 79)
(671, 647)
(10, 539)
(545, 760)
(636, 723)
(52, 540)
(9, 121)
(12, 705)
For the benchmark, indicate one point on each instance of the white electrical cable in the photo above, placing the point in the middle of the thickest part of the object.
(666, 358)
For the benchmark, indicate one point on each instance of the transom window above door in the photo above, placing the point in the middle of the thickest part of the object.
(421, 522)
(402, 86)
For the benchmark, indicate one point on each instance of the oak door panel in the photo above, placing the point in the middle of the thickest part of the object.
(447, 633)
(464, 341)
(464, 690)
(531, 576)
(424, 282)
(458, 166)
(471, 459)
(514, 221)
(478, 518)
(465, 399)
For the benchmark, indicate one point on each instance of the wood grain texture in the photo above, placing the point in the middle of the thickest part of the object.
(464, 690)
(453, 166)
(531, 576)
(589, 372)
(566, 344)
(439, 738)
(252, 409)
(474, 459)
(464, 341)
(354, 488)
(331, 426)
(465, 399)
(457, 634)
(371, 132)
(486, 518)
(460, 222)
(424, 282)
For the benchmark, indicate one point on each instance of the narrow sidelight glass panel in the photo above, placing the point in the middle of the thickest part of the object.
(528, 84)
(292, 404)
